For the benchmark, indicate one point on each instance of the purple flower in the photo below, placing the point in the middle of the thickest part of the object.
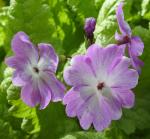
(35, 69)
(134, 43)
(101, 83)
(89, 27)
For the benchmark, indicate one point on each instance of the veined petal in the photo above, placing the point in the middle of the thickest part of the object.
(22, 47)
(76, 74)
(123, 25)
(45, 94)
(86, 120)
(136, 62)
(122, 77)
(56, 87)
(94, 110)
(125, 97)
(70, 96)
(17, 80)
(73, 101)
(121, 66)
(48, 57)
(77, 106)
(16, 62)
(102, 115)
(128, 79)
(36, 93)
(115, 107)
(86, 105)
(102, 58)
(30, 95)
(136, 46)
(21, 74)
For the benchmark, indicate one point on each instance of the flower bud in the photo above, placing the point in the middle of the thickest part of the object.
(89, 27)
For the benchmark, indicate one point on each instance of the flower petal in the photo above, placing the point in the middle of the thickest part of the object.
(136, 46)
(102, 115)
(33, 94)
(17, 80)
(77, 74)
(96, 111)
(56, 87)
(123, 25)
(125, 97)
(16, 62)
(128, 79)
(85, 111)
(48, 57)
(137, 63)
(73, 101)
(102, 58)
(122, 77)
(22, 47)
(115, 107)
(70, 96)
(30, 95)
(86, 120)
(45, 94)
(20, 76)
(76, 106)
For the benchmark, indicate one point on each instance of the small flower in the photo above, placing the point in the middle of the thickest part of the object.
(134, 43)
(101, 85)
(89, 27)
(35, 71)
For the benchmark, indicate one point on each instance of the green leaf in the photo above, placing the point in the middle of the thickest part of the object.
(30, 122)
(7, 132)
(106, 23)
(54, 122)
(34, 18)
(145, 9)
(13, 92)
(45, 21)
(85, 135)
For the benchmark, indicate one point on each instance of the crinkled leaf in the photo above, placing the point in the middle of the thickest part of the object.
(106, 23)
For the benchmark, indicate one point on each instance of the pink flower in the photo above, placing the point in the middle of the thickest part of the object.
(35, 69)
(101, 83)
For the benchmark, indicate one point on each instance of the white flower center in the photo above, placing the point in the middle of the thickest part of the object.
(103, 89)
(34, 70)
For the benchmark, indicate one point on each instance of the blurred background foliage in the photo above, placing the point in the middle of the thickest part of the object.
(60, 22)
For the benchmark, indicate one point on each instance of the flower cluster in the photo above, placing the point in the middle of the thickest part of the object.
(101, 80)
